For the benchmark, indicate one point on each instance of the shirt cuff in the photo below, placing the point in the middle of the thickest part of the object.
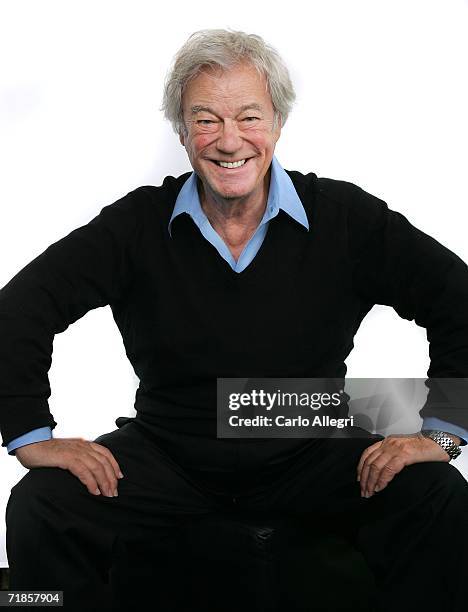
(434, 423)
(35, 435)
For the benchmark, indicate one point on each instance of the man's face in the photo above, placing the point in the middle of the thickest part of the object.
(229, 118)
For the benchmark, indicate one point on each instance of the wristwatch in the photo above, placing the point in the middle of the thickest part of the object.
(443, 440)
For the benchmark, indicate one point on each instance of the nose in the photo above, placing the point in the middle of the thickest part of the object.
(229, 139)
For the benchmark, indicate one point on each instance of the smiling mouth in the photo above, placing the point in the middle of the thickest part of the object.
(231, 165)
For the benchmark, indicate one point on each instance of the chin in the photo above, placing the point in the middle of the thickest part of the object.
(234, 189)
(233, 194)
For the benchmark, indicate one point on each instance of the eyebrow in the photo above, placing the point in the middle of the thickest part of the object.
(199, 108)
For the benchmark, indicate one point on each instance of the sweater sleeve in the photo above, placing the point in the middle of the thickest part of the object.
(398, 265)
(88, 268)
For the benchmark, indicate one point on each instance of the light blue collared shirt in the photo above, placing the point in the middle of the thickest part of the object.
(281, 195)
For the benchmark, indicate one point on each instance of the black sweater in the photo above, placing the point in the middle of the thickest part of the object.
(186, 318)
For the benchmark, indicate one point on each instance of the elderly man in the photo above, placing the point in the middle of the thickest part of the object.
(240, 269)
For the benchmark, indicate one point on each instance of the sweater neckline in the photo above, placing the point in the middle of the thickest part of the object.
(265, 251)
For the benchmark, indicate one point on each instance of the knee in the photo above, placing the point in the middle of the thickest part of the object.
(436, 477)
(28, 495)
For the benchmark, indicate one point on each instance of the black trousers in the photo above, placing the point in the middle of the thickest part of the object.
(413, 534)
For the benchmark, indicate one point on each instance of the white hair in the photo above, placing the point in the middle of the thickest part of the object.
(224, 49)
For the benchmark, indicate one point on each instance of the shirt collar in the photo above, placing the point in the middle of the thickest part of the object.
(282, 195)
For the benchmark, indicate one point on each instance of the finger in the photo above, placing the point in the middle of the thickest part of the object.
(378, 470)
(385, 478)
(84, 474)
(103, 472)
(105, 451)
(386, 467)
(366, 467)
(365, 454)
(373, 474)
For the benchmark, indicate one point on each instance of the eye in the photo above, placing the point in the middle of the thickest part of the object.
(251, 119)
(205, 121)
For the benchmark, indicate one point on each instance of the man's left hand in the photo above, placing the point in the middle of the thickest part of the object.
(381, 461)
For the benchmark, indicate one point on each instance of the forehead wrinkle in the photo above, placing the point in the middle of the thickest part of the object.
(197, 108)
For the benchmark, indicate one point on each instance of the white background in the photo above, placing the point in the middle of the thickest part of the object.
(382, 98)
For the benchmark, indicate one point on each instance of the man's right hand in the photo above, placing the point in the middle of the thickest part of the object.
(90, 462)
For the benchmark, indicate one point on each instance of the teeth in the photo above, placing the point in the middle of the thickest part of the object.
(236, 164)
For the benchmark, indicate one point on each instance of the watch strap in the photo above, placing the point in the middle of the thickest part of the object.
(444, 441)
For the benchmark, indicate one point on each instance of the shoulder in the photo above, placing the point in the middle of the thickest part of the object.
(166, 193)
(145, 202)
(342, 196)
(160, 197)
